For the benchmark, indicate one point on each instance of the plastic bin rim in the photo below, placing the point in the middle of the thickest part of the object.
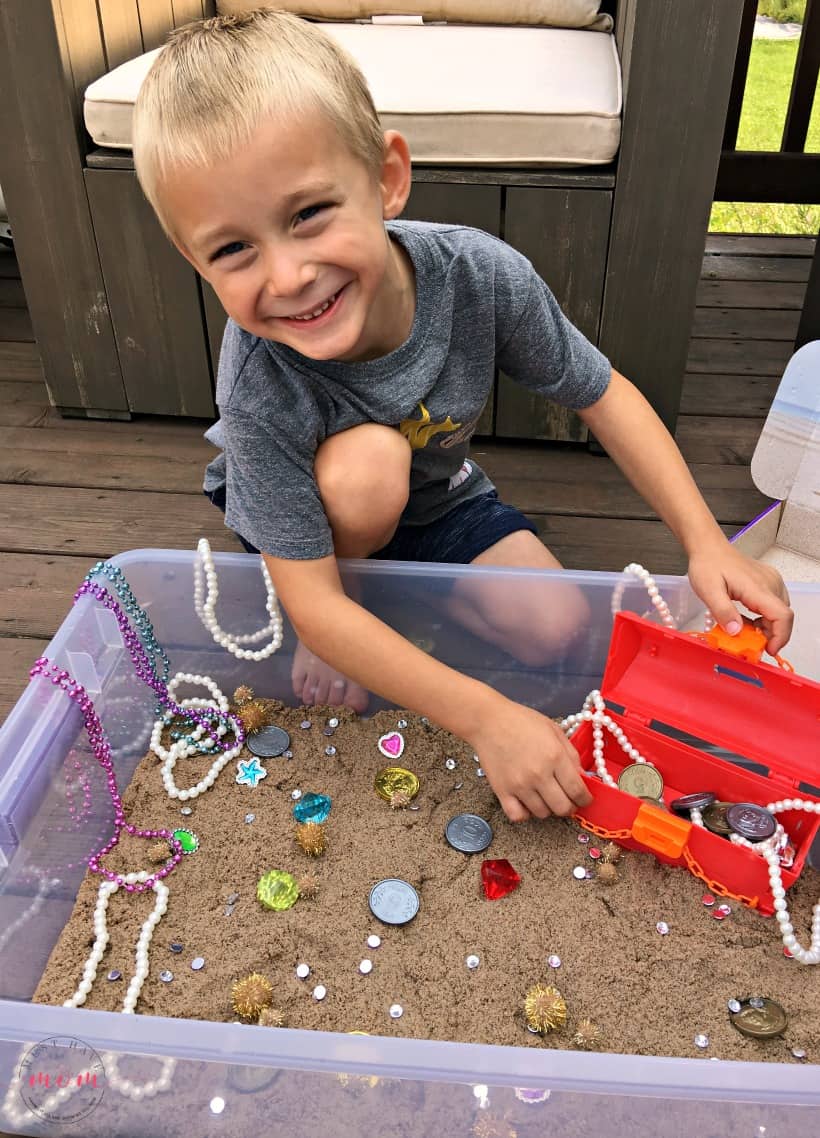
(423, 1060)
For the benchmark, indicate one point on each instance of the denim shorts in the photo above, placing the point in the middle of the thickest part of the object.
(457, 538)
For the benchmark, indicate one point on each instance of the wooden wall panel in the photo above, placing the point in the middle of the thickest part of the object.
(479, 206)
(187, 10)
(154, 299)
(564, 233)
(41, 175)
(120, 22)
(156, 20)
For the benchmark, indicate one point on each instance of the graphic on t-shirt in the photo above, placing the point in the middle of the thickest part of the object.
(418, 432)
(462, 475)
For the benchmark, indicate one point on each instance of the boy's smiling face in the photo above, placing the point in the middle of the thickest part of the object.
(290, 233)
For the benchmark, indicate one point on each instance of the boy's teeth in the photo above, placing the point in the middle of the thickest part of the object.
(318, 312)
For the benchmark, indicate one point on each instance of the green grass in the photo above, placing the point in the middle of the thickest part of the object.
(771, 67)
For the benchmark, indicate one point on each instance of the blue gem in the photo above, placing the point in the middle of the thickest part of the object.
(312, 808)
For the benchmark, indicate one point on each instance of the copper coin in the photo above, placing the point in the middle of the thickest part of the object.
(641, 779)
(765, 1020)
(714, 818)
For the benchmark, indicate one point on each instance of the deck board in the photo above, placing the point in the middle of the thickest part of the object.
(76, 490)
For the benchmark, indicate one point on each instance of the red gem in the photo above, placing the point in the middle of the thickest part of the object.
(787, 952)
(498, 878)
(594, 852)
(708, 900)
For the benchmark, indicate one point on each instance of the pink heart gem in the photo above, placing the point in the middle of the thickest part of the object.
(391, 745)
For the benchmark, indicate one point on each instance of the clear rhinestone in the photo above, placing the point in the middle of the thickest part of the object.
(798, 1053)
(450, 764)
(319, 992)
(165, 976)
(303, 971)
(365, 966)
(232, 898)
(305, 724)
(330, 750)
(734, 1006)
(414, 808)
(373, 941)
(458, 786)
(296, 794)
(425, 721)
(554, 961)
(663, 928)
(480, 772)
(396, 1011)
(524, 1094)
(724, 910)
(115, 974)
(328, 731)
(579, 873)
(472, 962)
(228, 910)
(334, 722)
(757, 1002)
(198, 963)
(701, 1041)
(583, 839)
(250, 818)
(175, 946)
(186, 810)
(402, 723)
(287, 754)
(476, 759)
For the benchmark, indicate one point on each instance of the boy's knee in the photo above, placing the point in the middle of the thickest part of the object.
(363, 475)
(539, 639)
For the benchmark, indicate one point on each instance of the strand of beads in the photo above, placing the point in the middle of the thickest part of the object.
(107, 888)
(643, 575)
(190, 744)
(206, 609)
(770, 850)
(594, 711)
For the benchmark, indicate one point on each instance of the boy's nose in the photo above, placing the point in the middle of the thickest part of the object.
(288, 274)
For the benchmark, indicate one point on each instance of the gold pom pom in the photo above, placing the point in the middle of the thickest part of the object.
(607, 873)
(311, 837)
(251, 994)
(271, 1017)
(545, 1009)
(254, 716)
(243, 694)
(400, 799)
(611, 853)
(308, 886)
(158, 852)
(485, 1126)
(587, 1036)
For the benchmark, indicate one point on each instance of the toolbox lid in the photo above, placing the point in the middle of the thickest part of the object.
(759, 711)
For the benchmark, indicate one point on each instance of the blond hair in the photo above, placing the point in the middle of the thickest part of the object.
(218, 79)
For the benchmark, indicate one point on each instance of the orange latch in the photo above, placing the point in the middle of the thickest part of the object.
(664, 833)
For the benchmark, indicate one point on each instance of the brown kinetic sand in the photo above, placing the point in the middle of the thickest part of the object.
(648, 994)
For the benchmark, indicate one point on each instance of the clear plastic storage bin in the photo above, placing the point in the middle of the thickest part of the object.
(238, 1080)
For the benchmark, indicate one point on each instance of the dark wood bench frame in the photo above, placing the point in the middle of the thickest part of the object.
(124, 325)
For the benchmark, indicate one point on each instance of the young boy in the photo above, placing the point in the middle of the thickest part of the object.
(355, 364)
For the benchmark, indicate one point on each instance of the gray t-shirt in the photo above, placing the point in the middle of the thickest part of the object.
(479, 305)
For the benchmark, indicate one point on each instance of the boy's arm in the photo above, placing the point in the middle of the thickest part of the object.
(531, 765)
(633, 435)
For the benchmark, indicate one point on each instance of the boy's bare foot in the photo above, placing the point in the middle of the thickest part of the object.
(315, 682)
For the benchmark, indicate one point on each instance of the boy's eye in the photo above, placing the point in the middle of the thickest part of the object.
(227, 250)
(310, 211)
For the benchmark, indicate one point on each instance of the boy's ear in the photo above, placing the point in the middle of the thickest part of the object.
(396, 174)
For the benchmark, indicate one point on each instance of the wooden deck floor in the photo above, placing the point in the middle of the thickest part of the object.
(77, 491)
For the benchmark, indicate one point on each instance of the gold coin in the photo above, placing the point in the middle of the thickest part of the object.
(714, 818)
(765, 1021)
(658, 803)
(394, 780)
(641, 779)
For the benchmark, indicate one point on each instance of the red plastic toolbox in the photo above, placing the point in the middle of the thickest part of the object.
(764, 715)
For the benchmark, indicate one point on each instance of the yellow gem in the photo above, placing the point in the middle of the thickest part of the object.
(277, 890)
(396, 780)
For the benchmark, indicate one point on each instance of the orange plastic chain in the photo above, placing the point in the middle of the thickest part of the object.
(749, 644)
(694, 867)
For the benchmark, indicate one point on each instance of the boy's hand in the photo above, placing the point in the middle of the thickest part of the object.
(532, 766)
(721, 574)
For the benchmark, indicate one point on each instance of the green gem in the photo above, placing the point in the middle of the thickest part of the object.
(188, 840)
(277, 890)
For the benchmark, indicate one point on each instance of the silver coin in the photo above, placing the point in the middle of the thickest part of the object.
(268, 743)
(393, 901)
(751, 821)
(697, 801)
(468, 833)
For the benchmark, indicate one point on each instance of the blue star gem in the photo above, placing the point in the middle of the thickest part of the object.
(250, 773)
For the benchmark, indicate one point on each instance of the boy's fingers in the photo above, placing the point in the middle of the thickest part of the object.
(572, 783)
(514, 808)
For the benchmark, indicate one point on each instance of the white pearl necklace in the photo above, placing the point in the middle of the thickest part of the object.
(183, 749)
(107, 888)
(643, 575)
(600, 720)
(206, 609)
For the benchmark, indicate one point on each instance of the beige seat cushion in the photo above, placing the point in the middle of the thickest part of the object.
(462, 94)
(549, 13)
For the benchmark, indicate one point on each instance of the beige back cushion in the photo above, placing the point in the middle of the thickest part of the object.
(547, 13)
